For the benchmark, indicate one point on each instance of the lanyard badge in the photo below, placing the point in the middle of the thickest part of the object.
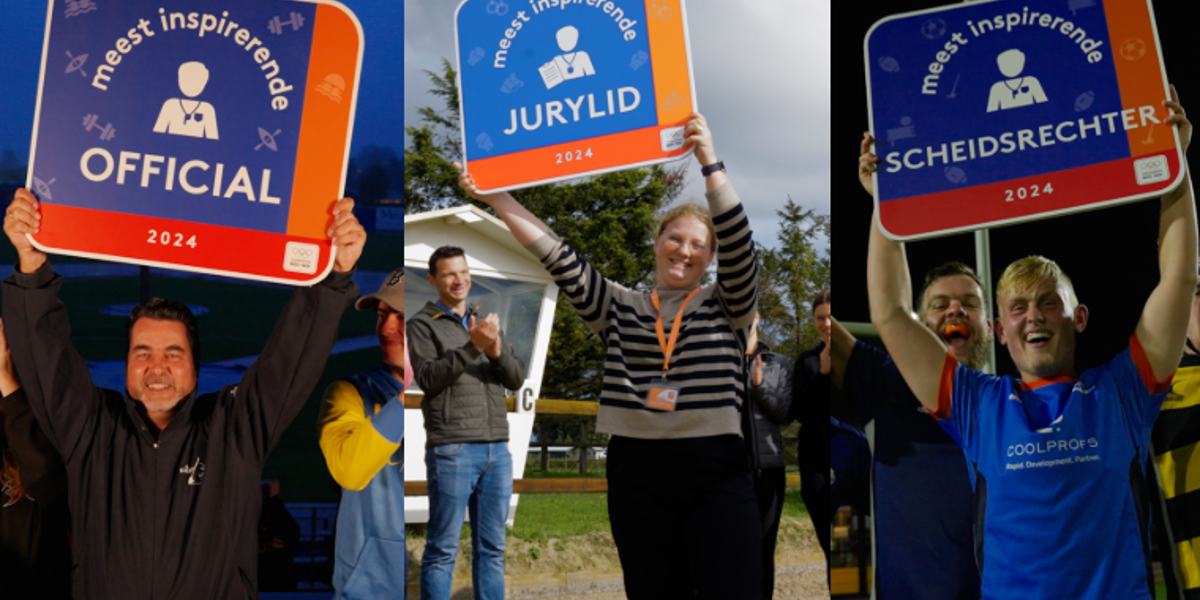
(662, 396)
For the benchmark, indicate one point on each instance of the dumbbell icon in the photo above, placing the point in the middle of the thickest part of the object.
(107, 132)
(276, 26)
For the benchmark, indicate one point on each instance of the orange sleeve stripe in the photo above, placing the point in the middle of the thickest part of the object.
(946, 387)
(1145, 370)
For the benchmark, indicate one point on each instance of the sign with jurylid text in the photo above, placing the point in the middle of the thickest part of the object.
(557, 89)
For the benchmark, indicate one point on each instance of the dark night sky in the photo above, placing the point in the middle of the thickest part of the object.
(379, 119)
(1109, 254)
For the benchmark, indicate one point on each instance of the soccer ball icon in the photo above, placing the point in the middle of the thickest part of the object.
(1133, 49)
(1084, 101)
(933, 28)
(889, 64)
(955, 175)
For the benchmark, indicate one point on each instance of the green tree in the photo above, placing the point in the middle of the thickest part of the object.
(791, 275)
(430, 180)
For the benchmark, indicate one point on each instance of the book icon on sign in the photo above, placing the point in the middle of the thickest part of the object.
(571, 65)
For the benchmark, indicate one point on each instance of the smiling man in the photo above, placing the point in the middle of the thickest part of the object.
(163, 483)
(1059, 457)
(361, 427)
(463, 365)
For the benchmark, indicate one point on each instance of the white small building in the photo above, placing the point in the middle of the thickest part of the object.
(506, 280)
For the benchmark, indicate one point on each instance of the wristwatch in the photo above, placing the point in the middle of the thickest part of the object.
(707, 170)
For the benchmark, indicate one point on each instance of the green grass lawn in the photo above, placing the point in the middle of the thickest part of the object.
(542, 516)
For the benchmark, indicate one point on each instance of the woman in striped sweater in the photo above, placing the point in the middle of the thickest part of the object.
(680, 496)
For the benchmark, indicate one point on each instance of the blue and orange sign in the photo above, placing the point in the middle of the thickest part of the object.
(557, 89)
(986, 114)
(197, 135)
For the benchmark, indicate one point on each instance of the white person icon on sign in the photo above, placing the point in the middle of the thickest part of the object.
(193, 118)
(571, 65)
(1015, 91)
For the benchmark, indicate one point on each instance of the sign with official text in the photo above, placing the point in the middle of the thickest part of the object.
(557, 89)
(201, 135)
(993, 113)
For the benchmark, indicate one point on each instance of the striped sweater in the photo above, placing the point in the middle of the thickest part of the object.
(707, 362)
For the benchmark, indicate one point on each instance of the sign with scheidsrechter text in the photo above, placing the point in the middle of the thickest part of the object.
(991, 113)
(207, 136)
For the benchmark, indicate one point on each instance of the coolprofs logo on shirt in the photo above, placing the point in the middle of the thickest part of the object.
(1052, 446)
(1034, 450)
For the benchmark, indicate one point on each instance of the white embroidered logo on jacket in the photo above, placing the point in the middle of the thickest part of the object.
(195, 472)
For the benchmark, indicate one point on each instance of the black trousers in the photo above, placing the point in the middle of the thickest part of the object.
(685, 518)
(769, 486)
(814, 490)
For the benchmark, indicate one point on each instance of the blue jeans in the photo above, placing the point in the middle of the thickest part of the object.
(475, 477)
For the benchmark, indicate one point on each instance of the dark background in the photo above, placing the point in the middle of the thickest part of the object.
(1110, 255)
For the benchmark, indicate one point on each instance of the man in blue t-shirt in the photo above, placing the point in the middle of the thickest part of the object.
(1059, 457)
(916, 464)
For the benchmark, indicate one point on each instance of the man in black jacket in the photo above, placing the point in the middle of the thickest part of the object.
(810, 406)
(163, 485)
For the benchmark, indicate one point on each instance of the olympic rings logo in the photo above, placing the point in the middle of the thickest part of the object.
(497, 7)
(1151, 165)
(659, 11)
(301, 252)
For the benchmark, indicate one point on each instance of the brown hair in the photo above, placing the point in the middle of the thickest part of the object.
(167, 310)
(949, 269)
(822, 297)
(443, 253)
(694, 211)
(10, 479)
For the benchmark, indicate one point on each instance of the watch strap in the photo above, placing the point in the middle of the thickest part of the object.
(707, 170)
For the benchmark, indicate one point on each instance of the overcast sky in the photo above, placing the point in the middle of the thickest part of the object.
(762, 81)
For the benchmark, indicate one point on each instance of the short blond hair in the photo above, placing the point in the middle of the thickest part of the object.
(694, 211)
(1027, 274)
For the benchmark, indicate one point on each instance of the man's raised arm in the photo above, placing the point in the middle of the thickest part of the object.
(275, 387)
(1163, 326)
(841, 347)
(917, 351)
(54, 377)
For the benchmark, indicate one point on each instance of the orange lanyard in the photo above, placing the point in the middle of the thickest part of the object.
(668, 345)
